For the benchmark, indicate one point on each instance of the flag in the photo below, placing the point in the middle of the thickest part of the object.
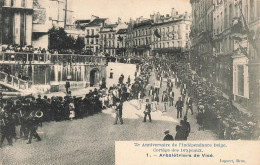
(250, 35)
(243, 50)
(156, 33)
(120, 38)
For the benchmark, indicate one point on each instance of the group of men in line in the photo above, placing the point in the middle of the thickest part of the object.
(136, 90)
(29, 113)
(12, 115)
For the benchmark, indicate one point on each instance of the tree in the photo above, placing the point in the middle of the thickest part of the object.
(59, 39)
(79, 45)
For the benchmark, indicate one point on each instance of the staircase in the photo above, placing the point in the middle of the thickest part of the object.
(15, 84)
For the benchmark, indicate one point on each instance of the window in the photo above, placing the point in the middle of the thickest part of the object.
(225, 18)
(179, 44)
(240, 78)
(187, 36)
(230, 14)
(92, 31)
(168, 44)
(252, 10)
(87, 32)
(172, 43)
(23, 3)
(180, 37)
(236, 10)
(163, 45)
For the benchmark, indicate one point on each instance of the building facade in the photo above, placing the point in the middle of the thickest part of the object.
(121, 42)
(170, 34)
(235, 46)
(48, 14)
(16, 22)
(251, 12)
(108, 39)
(27, 22)
(92, 32)
(159, 34)
(138, 37)
(202, 57)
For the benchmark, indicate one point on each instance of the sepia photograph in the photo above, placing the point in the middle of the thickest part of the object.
(77, 76)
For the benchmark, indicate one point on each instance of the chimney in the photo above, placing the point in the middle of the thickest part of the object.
(173, 12)
(152, 17)
(186, 14)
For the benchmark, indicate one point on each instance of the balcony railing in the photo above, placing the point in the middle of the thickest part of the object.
(39, 58)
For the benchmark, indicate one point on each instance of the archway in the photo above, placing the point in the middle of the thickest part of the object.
(94, 77)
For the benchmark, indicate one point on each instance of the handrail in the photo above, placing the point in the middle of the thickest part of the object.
(15, 81)
(26, 57)
(51, 54)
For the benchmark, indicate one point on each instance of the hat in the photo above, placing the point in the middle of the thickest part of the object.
(185, 117)
(166, 131)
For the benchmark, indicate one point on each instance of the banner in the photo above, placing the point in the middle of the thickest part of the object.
(157, 84)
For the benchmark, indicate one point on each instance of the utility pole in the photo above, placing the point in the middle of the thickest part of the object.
(66, 9)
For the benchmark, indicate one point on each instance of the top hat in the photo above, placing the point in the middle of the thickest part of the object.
(166, 131)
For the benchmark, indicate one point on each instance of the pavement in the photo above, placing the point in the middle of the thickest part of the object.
(92, 140)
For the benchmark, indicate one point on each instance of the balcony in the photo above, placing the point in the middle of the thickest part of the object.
(49, 59)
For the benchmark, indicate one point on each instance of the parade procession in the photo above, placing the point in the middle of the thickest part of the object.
(75, 80)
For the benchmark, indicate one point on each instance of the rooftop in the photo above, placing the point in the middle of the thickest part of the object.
(96, 22)
(121, 31)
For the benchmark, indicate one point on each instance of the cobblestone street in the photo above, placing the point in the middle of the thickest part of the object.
(91, 140)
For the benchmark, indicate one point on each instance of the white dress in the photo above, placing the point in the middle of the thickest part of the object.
(72, 112)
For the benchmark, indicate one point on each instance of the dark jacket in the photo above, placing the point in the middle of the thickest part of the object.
(164, 98)
(179, 104)
(148, 108)
(67, 85)
(168, 137)
(119, 109)
(180, 134)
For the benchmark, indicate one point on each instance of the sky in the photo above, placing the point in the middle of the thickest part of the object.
(112, 9)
